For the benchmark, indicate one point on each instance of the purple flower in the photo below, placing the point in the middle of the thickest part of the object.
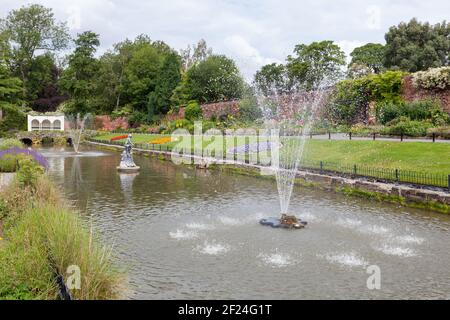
(34, 154)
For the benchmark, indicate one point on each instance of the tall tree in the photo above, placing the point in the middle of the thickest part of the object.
(168, 79)
(272, 78)
(416, 46)
(315, 63)
(194, 54)
(31, 29)
(370, 55)
(215, 79)
(78, 79)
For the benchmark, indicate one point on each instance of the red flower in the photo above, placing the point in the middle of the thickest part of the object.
(119, 137)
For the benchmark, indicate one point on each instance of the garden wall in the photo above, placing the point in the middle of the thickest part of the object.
(412, 93)
(210, 110)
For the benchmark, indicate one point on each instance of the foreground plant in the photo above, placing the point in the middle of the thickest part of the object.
(44, 239)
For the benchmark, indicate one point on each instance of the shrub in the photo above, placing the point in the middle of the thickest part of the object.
(443, 132)
(416, 110)
(364, 130)
(193, 111)
(29, 171)
(10, 143)
(408, 128)
(435, 78)
(13, 119)
(387, 111)
(8, 163)
(386, 87)
(249, 109)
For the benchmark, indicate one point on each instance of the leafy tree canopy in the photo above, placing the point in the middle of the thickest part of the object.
(217, 78)
(30, 29)
(370, 55)
(416, 46)
(315, 63)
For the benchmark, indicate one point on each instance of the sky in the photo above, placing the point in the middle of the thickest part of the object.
(253, 32)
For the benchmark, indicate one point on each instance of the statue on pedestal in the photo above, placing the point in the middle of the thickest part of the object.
(126, 162)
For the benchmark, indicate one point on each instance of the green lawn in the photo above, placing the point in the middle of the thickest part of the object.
(415, 156)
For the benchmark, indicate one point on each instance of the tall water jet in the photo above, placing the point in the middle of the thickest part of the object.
(289, 116)
(76, 125)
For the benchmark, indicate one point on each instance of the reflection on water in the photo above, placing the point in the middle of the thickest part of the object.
(186, 233)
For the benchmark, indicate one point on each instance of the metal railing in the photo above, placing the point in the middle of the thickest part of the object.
(385, 174)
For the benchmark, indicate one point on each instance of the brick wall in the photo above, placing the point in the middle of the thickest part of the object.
(411, 93)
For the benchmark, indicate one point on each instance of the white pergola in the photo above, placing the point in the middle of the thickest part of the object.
(44, 122)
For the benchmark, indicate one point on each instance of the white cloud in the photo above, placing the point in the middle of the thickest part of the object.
(247, 57)
(252, 31)
(348, 46)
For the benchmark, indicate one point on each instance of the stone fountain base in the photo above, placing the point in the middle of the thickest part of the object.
(287, 222)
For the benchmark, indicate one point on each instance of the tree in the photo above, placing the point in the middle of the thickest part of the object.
(416, 46)
(77, 79)
(315, 63)
(141, 73)
(215, 79)
(43, 84)
(195, 54)
(11, 115)
(168, 79)
(272, 78)
(30, 29)
(370, 55)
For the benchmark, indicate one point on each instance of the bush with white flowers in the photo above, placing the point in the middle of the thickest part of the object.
(435, 78)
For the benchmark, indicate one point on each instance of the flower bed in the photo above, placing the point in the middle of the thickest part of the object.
(119, 137)
(161, 140)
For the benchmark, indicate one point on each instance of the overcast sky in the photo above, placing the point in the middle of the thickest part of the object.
(253, 32)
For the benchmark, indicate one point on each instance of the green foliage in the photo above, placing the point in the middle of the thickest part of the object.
(37, 226)
(180, 95)
(8, 163)
(416, 46)
(442, 131)
(29, 172)
(168, 79)
(315, 63)
(13, 119)
(249, 109)
(350, 100)
(416, 110)
(408, 128)
(32, 28)
(386, 87)
(10, 143)
(216, 78)
(370, 55)
(77, 79)
(193, 111)
(272, 78)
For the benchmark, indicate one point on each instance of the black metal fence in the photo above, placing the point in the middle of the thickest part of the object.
(385, 174)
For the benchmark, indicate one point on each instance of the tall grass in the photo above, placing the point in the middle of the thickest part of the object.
(43, 236)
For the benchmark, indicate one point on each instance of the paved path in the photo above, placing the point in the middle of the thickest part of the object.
(345, 136)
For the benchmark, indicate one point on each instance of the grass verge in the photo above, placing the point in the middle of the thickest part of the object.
(40, 236)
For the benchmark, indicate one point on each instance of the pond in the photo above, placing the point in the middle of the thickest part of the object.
(183, 233)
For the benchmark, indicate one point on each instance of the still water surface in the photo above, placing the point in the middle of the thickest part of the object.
(194, 234)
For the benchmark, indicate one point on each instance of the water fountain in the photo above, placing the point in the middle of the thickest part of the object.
(290, 114)
(77, 125)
